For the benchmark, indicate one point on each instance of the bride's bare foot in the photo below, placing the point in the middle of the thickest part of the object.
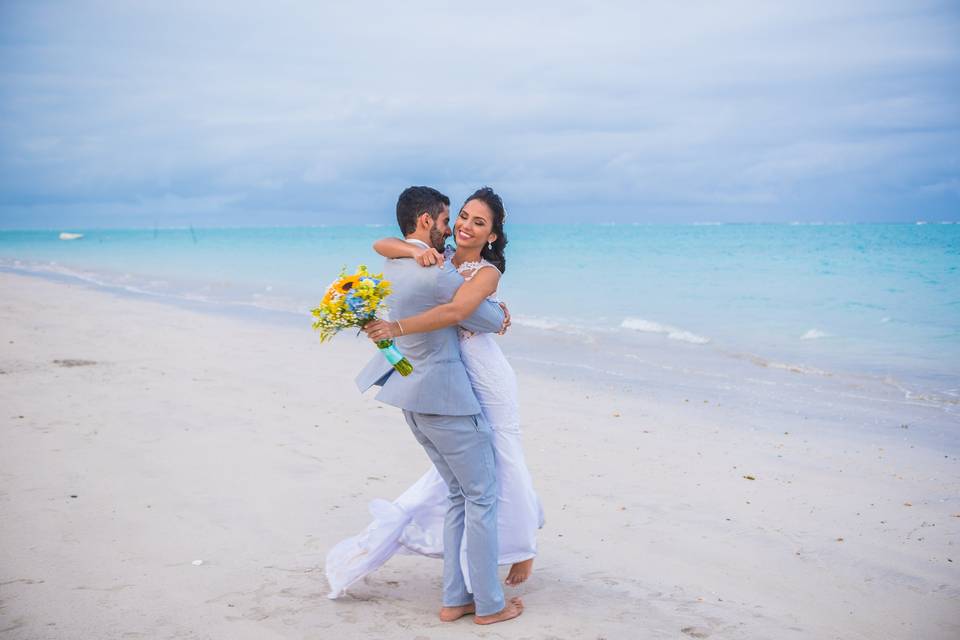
(513, 609)
(519, 572)
(449, 614)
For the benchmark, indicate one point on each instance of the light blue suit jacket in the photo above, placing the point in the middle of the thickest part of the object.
(439, 383)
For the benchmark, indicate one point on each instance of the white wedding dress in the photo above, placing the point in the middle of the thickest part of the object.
(413, 523)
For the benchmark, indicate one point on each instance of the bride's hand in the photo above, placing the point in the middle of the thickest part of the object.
(378, 330)
(506, 319)
(428, 257)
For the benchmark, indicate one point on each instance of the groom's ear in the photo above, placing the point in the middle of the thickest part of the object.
(424, 220)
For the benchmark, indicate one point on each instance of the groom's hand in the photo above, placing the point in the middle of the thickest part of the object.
(506, 319)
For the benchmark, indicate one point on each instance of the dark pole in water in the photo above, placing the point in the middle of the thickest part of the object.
(193, 235)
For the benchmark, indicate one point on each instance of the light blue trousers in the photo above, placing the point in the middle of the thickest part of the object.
(461, 447)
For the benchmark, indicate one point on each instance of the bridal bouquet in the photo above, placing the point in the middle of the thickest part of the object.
(353, 301)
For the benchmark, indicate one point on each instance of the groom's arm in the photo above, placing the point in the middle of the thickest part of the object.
(487, 318)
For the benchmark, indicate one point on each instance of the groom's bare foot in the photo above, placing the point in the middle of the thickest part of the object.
(449, 614)
(519, 572)
(513, 609)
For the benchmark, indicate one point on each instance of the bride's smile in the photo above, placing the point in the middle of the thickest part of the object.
(473, 229)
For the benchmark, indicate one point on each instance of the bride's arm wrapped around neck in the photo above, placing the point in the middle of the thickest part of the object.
(397, 248)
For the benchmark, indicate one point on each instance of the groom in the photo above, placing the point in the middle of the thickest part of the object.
(443, 413)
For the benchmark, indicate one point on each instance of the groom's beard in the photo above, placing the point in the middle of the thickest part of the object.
(437, 240)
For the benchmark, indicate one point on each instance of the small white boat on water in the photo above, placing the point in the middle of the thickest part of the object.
(70, 236)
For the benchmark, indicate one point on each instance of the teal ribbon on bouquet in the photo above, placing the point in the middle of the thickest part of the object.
(394, 357)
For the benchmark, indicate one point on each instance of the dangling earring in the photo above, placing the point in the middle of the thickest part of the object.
(490, 246)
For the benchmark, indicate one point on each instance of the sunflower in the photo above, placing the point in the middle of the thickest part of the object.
(347, 283)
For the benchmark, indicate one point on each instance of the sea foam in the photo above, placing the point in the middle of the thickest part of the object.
(536, 323)
(559, 326)
(673, 333)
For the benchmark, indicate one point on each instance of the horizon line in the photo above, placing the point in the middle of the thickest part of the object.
(372, 225)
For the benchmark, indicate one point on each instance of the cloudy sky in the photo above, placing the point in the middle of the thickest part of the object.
(121, 113)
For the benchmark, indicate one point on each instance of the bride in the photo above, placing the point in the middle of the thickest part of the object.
(413, 523)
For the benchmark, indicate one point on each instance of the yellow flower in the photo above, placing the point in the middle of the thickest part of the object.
(345, 284)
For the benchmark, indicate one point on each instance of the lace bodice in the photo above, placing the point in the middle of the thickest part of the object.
(468, 269)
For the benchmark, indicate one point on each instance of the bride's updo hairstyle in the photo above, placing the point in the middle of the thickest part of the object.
(495, 255)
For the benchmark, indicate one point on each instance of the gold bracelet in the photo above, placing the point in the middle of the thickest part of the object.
(401, 327)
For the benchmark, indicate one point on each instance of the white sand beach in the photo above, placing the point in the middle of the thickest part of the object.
(169, 473)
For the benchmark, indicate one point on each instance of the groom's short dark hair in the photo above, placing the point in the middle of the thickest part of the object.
(415, 201)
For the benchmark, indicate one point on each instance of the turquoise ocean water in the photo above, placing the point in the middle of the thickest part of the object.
(880, 300)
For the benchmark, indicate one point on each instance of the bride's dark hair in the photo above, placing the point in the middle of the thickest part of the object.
(495, 255)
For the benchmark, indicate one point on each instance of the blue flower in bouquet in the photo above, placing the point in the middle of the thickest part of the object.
(356, 303)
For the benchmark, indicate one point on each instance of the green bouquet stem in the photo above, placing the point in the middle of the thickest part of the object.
(389, 351)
